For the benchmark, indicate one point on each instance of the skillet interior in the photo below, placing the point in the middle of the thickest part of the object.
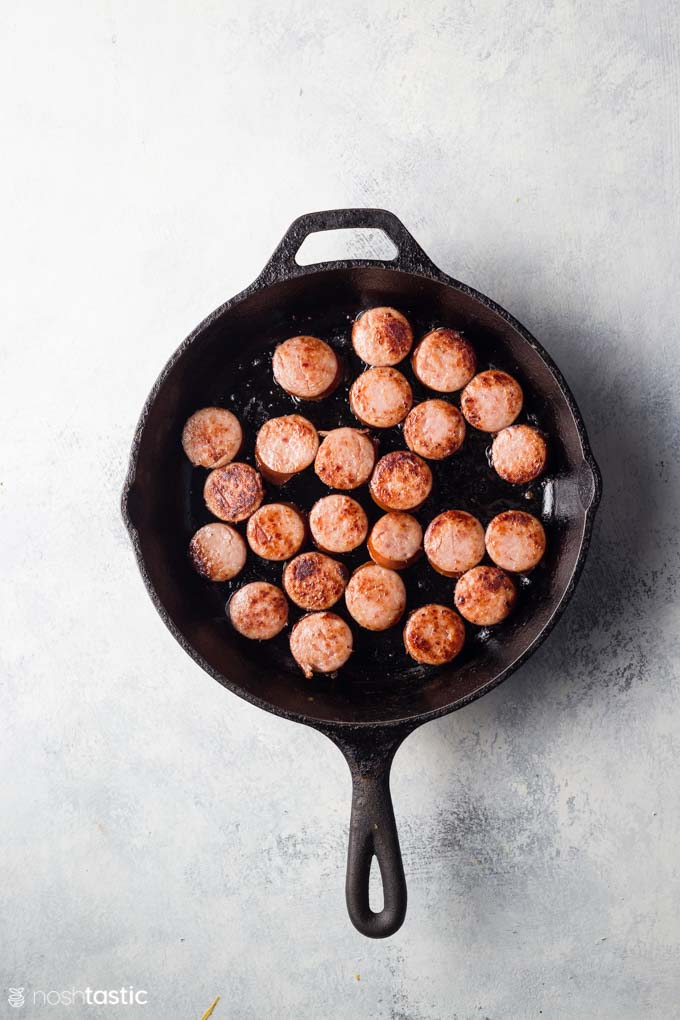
(229, 363)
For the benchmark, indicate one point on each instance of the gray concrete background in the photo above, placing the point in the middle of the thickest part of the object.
(157, 831)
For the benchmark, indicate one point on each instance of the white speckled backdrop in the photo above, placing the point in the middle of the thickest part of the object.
(158, 832)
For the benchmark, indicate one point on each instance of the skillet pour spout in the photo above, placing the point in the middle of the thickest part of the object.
(380, 696)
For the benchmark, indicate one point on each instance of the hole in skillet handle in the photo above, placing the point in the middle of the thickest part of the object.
(408, 257)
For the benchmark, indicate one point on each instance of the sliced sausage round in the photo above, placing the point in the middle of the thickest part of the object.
(345, 459)
(434, 635)
(306, 367)
(382, 336)
(491, 401)
(434, 429)
(234, 492)
(381, 397)
(320, 643)
(314, 581)
(285, 446)
(485, 595)
(259, 611)
(401, 481)
(515, 541)
(212, 437)
(444, 360)
(276, 531)
(396, 541)
(218, 552)
(338, 524)
(519, 454)
(454, 542)
(375, 597)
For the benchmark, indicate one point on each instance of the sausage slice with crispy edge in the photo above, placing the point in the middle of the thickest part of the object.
(434, 429)
(345, 459)
(434, 635)
(212, 437)
(382, 336)
(258, 611)
(321, 643)
(276, 531)
(444, 360)
(314, 581)
(380, 397)
(338, 523)
(401, 481)
(485, 595)
(515, 541)
(519, 454)
(454, 542)
(218, 552)
(375, 597)
(491, 401)
(234, 492)
(306, 367)
(285, 446)
(395, 541)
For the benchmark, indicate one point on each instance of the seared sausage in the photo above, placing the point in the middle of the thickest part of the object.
(485, 595)
(519, 454)
(314, 581)
(212, 437)
(401, 481)
(375, 597)
(234, 492)
(395, 541)
(515, 541)
(434, 429)
(454, 542)
(491, 401)
(338, 524)
(345, 459)
(382, 336)
(218, 552)
(259, 611)
(276, 531)
(380, 397)
(434, 635)
(306, 367)
(444, 360)
(320, 643)
(285, 446)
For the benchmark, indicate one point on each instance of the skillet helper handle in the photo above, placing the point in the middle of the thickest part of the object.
(410, 257)
(373, 833)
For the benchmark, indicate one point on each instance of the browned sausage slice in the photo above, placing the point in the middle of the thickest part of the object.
(212, 437)
(515, 541)
(306, 367)
(276, 531)
(234, 492)
(320, 643)
(434, 429)
(285, 446)
(519, 454)
(434, 635)
(338, 524)
(380, 397)
(382, 336)
(395, 541)
(218, 552)
(375, 597)
(259, 611)
(491, 401)
(485, 596)
(444, 360)
(401, 481)
(345, 459)
(454, 542)
(314, 581)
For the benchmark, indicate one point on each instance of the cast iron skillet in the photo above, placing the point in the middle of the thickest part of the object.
(381, 696)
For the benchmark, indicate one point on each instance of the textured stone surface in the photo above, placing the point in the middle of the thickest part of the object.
(159, 832)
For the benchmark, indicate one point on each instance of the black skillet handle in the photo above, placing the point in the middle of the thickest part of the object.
(410, 257)
(373, 831)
